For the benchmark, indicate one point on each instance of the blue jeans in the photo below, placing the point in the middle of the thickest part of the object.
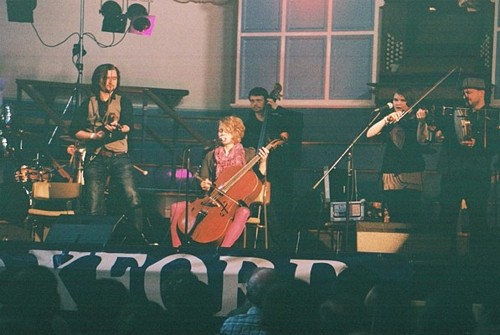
(119, 169)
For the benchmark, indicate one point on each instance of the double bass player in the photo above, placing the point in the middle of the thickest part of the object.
(229, 154)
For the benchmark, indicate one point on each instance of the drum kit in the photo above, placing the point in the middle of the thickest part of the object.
(16, 175)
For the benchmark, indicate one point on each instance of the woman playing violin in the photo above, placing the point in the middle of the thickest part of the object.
(229, 153)
(403, 163)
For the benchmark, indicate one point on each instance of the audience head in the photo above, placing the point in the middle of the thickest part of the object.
(259, 283)
(102, 304)
(145, 318)
(31, 300)
(448, 310)
(189, 302)
(291, 307)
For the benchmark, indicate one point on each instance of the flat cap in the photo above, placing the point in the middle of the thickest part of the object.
(476, 83)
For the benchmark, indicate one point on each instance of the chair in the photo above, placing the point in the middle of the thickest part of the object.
(51, 199)
(258, 218)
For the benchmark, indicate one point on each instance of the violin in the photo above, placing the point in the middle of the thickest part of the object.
(209, 217)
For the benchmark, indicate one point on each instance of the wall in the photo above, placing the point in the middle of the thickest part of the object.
(192, 47)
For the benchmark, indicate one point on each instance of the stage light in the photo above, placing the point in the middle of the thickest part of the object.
(20, 10)
(140, 22)
(114, 21)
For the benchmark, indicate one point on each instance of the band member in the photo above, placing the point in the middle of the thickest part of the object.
(466, 161)
(104, 122)
(281, 123)
(403, 164)
(230, 153)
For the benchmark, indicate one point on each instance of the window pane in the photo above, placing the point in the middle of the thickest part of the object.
(261, 15)
(307, 15)
(353, 15)
(259, 63)
(351, 67)
(305, 68)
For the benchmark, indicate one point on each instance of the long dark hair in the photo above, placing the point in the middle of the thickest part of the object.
(100, 74)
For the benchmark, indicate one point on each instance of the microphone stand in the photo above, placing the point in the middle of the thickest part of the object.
(372, 121)
(346, 151)
(348, 201)
(349, 172)
(187, 156)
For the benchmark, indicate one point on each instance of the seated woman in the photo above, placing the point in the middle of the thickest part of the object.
(229, 153)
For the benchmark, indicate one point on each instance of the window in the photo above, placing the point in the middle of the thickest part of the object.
(323, 52)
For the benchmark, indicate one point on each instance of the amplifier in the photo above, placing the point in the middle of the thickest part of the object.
(356, 211)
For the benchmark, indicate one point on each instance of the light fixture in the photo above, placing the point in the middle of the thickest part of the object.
(20, 10)
(141, 23)
(114, 21)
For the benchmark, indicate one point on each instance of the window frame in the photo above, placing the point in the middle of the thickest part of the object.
(328, 34)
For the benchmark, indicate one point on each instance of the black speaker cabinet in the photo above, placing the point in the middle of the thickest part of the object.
(84, 230)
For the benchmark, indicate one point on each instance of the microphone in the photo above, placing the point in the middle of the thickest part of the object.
(144, 172)
(389, 105)
(213, 144)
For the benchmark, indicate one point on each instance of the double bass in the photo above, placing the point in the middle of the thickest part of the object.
(209, 217)
(275, 95)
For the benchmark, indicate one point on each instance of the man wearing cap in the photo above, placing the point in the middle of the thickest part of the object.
(469, 145)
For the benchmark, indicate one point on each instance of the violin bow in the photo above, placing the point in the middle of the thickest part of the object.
(409, 110)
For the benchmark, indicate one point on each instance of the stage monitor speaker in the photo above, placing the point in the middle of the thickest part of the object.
(400, 238)
(382, 237)
(82, 230)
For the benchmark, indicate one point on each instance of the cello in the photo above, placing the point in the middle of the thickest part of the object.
(210, 216)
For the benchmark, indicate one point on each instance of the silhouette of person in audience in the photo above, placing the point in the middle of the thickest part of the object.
(31, 303)
(249, 323)
(291, 307)
(189, 303)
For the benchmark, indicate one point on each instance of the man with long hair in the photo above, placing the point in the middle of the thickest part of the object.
(104, 122)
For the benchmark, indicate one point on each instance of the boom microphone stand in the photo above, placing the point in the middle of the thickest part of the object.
(348, 190)
(349, 147)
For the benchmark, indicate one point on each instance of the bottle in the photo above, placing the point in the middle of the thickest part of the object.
(387, 217)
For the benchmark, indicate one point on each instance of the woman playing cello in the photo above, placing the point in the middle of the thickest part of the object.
(229, 153)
